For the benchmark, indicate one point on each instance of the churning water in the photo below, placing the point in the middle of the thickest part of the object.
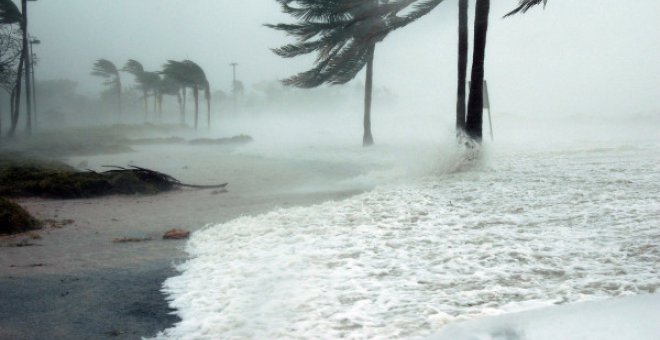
(520, 228)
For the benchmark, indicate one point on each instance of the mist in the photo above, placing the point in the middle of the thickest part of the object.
(286, 222)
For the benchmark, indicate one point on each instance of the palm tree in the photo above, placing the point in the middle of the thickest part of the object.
(462, 65)
(171, 87)
(107, 70)
(188, 74)
(147, 82)
(344, 35)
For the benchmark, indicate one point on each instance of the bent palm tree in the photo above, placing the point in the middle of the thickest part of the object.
(344, 35)
(107, 70)
(343, 44)
(170, 87)
(147, 81)
(188, 74)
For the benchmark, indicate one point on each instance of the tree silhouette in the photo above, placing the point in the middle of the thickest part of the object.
(147, 82)
(189, 74)
(344, 35)
(106, 69)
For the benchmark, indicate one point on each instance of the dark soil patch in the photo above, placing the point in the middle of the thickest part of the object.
(14, 219)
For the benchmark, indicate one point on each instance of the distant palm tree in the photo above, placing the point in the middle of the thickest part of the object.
(147, 82)
(106, 69)
(189, 74)
(171, 87)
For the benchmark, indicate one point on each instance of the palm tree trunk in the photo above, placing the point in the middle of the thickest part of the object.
(118, 98)
(155, 102)
(181, 109)
(196, 96)
(208, 110)
(185, 95)
(462, 64)
(160, 107)
(368, 139)
(476, 101)
(146, 106)
(16, 98)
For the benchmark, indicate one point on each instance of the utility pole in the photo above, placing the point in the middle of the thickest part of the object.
(234, 89)
(34, 41)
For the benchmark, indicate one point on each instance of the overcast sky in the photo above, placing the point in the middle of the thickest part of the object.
(574, 57)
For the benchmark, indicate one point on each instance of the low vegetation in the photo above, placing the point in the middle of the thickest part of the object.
(14, 219)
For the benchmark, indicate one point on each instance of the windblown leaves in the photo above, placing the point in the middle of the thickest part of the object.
(525, 5)
(341, 32)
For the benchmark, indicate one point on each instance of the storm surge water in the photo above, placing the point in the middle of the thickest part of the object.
(521, 228)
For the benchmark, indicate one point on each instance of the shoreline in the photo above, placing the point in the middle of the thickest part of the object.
(75, 282)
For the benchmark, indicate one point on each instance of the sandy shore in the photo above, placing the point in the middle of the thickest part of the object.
(74, 282)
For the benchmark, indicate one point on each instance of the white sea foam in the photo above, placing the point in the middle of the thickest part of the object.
(521, 230)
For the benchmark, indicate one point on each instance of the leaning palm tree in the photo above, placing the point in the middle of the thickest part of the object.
(343, 44)
(344, 35)
(474, 121)
(147, 82)
(189, 74)
(170, 87)
(107, 70)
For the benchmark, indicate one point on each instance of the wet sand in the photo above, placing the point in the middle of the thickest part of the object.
(74, 282)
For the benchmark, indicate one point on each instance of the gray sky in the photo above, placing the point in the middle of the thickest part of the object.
(575, 57)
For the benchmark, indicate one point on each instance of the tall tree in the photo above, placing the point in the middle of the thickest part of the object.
(106, 69)
(474, 121)
(189, 74)
(345, 33)
(148, 82)
(462, 65)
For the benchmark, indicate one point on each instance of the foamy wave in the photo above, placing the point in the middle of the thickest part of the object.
(405, 260)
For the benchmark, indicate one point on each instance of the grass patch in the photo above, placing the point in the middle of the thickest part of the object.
(14, 219)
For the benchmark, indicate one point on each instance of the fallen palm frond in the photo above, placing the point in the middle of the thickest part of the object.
(41, 180)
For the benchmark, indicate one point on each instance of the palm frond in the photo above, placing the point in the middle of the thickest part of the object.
(525, 5)
(133, 67)
(9, 13)
(105, 68)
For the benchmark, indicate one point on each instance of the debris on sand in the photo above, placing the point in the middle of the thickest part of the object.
(56, 180)
(176, 234)
(14, 219)
(131, 239)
